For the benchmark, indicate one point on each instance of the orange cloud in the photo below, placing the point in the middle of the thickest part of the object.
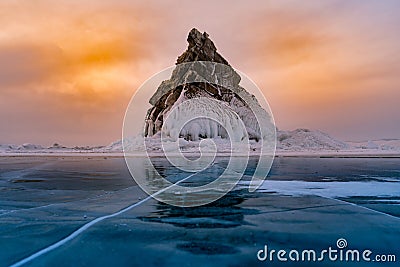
(78, 63)
(323, 69)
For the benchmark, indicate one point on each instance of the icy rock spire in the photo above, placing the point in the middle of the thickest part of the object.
(174, 91)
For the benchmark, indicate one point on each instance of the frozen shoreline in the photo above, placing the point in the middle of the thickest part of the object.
(296, 143)
(333, 154)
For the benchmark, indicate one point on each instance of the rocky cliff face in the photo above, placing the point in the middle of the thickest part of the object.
(175, 90)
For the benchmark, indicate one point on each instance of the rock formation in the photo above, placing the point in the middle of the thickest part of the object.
(201, 49)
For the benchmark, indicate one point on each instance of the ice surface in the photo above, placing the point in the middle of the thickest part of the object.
(286, 214)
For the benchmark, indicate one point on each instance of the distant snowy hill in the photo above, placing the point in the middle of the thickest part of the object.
(55, 148)
(381, 144)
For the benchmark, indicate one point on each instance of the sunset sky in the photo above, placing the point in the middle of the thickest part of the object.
(69, 68)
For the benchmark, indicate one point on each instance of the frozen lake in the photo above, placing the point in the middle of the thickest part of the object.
(306, 203)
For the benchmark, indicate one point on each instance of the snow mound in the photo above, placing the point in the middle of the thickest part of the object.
(391, 144)
(308, 140)
(301, 140)
(8, 147)
(29, 146)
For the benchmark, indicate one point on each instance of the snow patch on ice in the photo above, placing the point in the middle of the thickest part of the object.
(329, 189)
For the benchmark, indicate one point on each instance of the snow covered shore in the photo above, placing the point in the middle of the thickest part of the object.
(289, 143)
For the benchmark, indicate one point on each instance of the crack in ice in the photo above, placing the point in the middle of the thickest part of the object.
(88, 225)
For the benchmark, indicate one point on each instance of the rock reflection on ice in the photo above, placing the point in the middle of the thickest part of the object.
(174, 184)
(223, 213)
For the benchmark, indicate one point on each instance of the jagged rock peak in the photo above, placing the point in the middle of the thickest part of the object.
(200, 48)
